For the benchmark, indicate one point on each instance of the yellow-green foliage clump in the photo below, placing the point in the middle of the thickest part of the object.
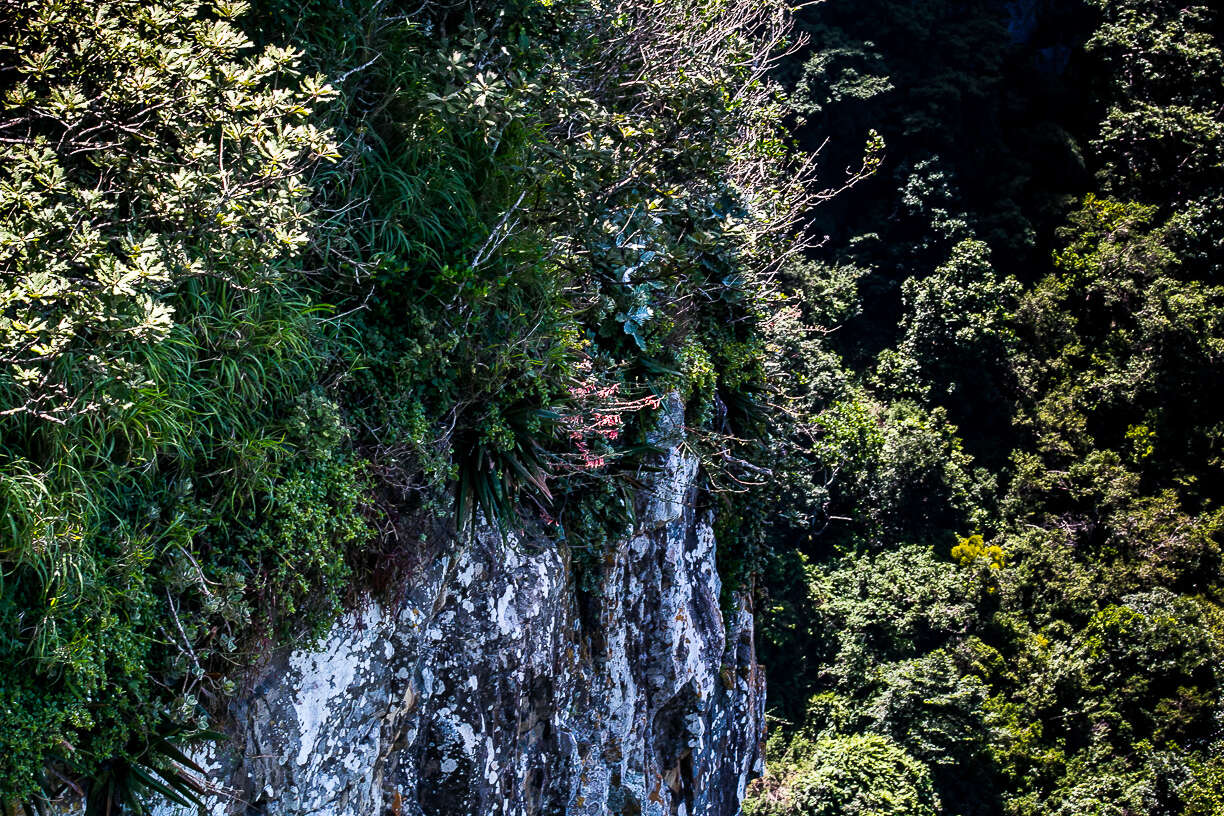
(831, 776)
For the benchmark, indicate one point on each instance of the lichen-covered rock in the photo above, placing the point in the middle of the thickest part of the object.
(484, 692)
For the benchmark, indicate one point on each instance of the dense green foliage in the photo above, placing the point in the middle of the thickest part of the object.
(293, 293)
(1002, 560)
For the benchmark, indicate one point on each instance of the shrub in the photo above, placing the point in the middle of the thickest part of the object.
(861, 775)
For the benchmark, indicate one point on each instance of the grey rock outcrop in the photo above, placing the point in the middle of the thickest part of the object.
(487, 692)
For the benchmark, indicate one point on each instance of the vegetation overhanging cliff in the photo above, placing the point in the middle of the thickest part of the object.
(286, 289)
(284, 283)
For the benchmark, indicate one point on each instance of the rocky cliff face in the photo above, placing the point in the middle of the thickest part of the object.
(484, 692)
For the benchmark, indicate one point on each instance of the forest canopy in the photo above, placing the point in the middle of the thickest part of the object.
(1008, 578)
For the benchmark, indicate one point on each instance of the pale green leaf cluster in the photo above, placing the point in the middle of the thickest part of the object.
(144, 145)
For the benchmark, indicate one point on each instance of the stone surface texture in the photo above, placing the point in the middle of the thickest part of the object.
(485, 691)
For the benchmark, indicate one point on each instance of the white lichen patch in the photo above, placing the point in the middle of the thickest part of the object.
(328, 672)
(504, 612)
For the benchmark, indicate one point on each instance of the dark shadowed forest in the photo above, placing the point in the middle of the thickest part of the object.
(1002, 593)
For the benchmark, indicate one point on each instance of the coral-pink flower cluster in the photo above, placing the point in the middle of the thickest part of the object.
(598, 416)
